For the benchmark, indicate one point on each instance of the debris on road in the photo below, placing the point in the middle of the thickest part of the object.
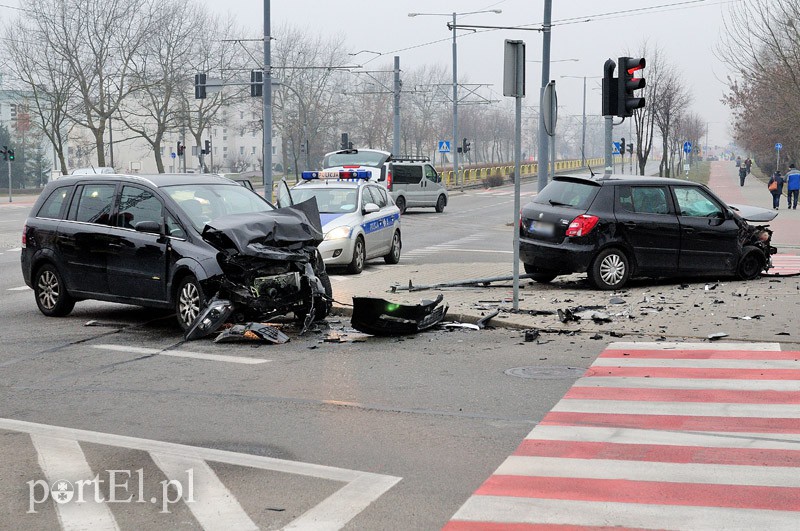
(474, 282)
(457, 325)
(252, 332)
(380, 317)
(531, 335)
(717, 335)
(747, 317)
(483, 321)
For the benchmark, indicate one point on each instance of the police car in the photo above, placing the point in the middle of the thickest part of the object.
(359, 219)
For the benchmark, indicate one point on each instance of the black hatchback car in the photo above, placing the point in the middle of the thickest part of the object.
(619, 227)
(170, 241)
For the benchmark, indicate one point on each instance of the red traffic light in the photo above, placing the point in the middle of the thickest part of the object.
(633, 64)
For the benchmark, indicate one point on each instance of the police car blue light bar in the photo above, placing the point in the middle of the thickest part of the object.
(310, 175)
(340, 174)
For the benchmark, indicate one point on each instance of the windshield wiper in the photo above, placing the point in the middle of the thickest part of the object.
(557, 203)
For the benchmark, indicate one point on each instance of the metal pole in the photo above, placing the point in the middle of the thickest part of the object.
(267, 116)
(110, 135)
(583, 129)
(609, 169)
(396, 136)
(10, 200)
(517, 180)
(543, 137)
(454, 149)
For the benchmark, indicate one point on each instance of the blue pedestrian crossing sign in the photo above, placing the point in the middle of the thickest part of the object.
(687, 147)
(172, 155)
(778, 146)
(616, 146)
(444, 146)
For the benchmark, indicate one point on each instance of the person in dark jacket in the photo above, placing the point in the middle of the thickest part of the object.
(742, 175)
(792, 186)
(778, 189)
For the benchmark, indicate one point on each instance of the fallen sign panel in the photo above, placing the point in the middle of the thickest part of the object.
(380, 317)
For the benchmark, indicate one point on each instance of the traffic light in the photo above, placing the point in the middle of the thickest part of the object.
(627, 102)
(622, 145)
(181, 149)
(609, 89)
(4, 152)
(346, 144)
(256, 83)
(630, 148)
(207, 151)
(11, 155)
(199, 86)
(465, 146)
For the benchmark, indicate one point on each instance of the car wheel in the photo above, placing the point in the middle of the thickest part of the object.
(189, 301)
(394, 253)
(610, 270)
(51, 292)
(441, 203)
(751, 265)
(401, 204)
(356, 265)
(322, 306)
(540, 275)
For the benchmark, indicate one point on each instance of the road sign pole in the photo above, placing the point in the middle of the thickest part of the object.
(10, 200)
(609, 169)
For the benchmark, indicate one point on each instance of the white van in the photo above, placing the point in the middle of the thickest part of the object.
(414, 182)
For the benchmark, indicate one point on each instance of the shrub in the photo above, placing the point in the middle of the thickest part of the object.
(493, 180)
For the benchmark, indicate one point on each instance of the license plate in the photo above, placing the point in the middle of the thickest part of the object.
(542, 227)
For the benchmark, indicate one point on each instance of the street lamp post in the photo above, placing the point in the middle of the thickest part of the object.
(454, 150)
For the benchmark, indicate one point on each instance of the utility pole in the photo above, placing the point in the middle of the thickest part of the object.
(267, 115)
(543, 136)
(583, 128)
(454, 151)
(397, 86)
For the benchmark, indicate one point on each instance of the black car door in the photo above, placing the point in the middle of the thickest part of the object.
(647, 222)
(137, 264)
(83, 238)
(709, 237)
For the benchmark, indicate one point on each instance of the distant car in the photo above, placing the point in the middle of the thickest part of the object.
(414, 182)
(170, 241)
(617, 228)
(359, 159)
(102, 170)
(359, 219)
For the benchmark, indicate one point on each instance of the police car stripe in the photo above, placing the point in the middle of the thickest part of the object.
(379, 224)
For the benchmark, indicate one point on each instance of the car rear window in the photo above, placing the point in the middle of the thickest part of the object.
(572, 194)
(354, 158)
(51, 208)
(406, 173)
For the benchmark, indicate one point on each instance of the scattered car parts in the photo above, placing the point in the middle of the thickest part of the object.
(380, 317)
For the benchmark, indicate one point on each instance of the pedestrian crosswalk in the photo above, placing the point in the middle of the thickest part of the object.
(658, 436)
(785, 264)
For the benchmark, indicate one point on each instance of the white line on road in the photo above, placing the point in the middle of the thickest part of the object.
(182, 354)
(63, 460)
(214, 506)
(20, 288)
(689, 383)
(697, 364)
(691, 409)
(623, 345)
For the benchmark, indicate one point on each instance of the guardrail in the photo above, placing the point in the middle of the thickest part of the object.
(473, 176)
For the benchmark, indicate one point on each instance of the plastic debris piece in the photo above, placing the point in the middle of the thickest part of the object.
(531, 335)
(464, 326)
(252, 332)
(380, 317)
(717, 335)
(482, 322)
(616, 300)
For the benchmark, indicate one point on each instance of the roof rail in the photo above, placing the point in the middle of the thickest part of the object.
(408, 158)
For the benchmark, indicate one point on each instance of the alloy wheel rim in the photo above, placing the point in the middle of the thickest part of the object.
(396, 246)
(359, 254)
(49, 291)
(612, 269)
(189, 303)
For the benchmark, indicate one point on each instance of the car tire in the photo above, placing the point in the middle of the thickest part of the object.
(441, 203)
(394, 252)
(189, 301)
(51, 293)
(401, 204)
(356, 265)
(751, 264)
(610, 269)
(542, 276)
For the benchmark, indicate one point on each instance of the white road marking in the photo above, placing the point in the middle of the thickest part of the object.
(629, 515)
(63, 460)
(697, 364)
(772, 441)
(651, 471)
(214, 506)
(338, 509)
(181, 354)
(20, 288)
(665, 345)
(689, 383)
(15, 250)
(692, 409)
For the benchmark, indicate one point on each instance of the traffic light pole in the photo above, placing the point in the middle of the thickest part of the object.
(543, 136)
(609, 169)
(10, 200)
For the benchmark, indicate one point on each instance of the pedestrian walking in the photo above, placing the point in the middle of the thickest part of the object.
(742, 175)
(792, 186)
(738, 161)
(775, 186)
(747, 164)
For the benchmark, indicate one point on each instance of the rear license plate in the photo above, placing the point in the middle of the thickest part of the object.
(542, 227)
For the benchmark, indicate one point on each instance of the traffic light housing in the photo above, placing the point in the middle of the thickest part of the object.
(465, 146)
(627, 102)
(630, 148)
(609, 88)
(199, 86)
(622, 145)
(181, 149)
(11, 156)
(207, 150)
(4, 152)
(256, 83)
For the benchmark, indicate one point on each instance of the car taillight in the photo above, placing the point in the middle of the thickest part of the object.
(389, 180)
(582, 225)
(24, 236)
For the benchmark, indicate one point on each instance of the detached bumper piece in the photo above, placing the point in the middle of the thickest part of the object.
(252, 332)
(380, 317)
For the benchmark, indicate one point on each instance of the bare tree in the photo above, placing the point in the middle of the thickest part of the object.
(644, 119)
(672, 99)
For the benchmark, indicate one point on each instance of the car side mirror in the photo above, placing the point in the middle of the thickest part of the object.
(370, 208)
(153, 227)
(728, 213)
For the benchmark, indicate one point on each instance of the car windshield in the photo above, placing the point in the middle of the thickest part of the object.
(573, 194)
(355, 158)
(330, 200)
(204, 202)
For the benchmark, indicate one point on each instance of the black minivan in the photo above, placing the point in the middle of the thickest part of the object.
(168, 241)
(619, 227)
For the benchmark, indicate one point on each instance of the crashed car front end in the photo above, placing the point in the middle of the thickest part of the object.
(754, 241)
(269, 264)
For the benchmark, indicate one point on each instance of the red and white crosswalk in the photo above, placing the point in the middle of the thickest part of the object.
(658, 436)
(785, 264)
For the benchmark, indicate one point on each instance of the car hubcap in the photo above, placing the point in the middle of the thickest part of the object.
(189, 303)
(396, 246)
(48, 290)
(359, 254)
(612, 269)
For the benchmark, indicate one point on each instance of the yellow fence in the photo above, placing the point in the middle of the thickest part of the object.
(472, 176)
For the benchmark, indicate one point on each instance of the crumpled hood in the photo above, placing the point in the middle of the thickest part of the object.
(754, 213)
(250, 234)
